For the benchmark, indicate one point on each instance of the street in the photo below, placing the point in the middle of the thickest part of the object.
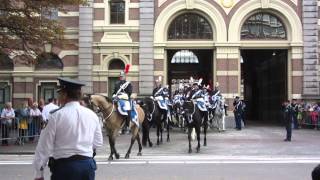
(257, 152)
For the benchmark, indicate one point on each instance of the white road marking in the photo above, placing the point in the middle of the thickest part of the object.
(192, 159)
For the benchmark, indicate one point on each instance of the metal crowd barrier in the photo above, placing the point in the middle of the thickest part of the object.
(20, 131)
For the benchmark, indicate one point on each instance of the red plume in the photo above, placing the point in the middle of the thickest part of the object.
(126, 69)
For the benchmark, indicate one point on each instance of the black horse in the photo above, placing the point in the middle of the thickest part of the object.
(195, 118)
(155, 115)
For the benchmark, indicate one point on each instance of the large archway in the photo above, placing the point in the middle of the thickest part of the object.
(189, 61)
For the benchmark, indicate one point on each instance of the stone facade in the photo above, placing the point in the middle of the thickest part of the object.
(142, 42)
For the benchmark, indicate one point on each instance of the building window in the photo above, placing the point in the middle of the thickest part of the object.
(5, 62)
(116, 64)
(4, 93)
(51, 13)
(117, 12)
(190, 26)
(47, 90)
(184, 56)
(49, 61)
(263, 26)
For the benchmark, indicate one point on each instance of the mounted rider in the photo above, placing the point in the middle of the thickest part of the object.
(217, 95)
(161, 94)
(121, 94)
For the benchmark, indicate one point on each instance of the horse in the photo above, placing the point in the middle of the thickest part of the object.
(194, 118)
(155, 115)
(219, 115)
(114, 121)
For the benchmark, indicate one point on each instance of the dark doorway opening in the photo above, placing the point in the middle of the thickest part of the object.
(182, 68)
(264, 78)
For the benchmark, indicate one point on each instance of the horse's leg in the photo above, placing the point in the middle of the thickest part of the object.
(148, 137)
(145, 132)
(168, 128)
(189, 137)
(198, 129)
(158, 133)
(114, 135)
(134, 131)
(205, 123)
(111, 147)
(161, 131)
(139, 143)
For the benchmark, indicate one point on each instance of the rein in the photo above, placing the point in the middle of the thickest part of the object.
(154, 107)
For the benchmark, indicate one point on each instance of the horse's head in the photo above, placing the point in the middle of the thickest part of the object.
(96, 102)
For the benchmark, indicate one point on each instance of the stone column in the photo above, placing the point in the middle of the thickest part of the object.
(85, 45)
(310, 37)
(146, 63)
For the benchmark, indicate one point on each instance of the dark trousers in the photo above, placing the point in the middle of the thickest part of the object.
(238, 118)
(75, 170)
(289, 131)
(295, 121)
(5, 133)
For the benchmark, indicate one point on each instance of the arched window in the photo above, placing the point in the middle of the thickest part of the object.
(184, 56)
(49, 61)
(5, 62)
(263, 26)
(189, 26)
(116, 64)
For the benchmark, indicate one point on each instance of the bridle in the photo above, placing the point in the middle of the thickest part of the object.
(97, 109)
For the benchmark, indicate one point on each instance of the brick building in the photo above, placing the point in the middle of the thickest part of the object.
(264, 50)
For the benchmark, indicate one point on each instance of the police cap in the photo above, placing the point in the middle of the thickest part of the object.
(69, 83)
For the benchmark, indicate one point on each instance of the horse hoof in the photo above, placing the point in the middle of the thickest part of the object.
(127, 156)
(198, 150)
(168, 140)
(117, 156)
(139, 154)
(190, 150)
(204, 144)
(150, 144)
(110, 158)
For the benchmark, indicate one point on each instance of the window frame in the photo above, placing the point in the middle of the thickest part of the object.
(123, 20)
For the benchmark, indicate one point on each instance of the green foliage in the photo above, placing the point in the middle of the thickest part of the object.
(26, 25)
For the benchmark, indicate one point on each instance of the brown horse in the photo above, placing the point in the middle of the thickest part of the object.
(114, 121)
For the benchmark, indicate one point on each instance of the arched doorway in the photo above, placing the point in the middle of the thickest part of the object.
(264, 72)
(114, 65)
(183, 63)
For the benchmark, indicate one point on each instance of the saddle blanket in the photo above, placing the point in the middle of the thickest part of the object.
(125, 106)
(162, 102)
(201, 104)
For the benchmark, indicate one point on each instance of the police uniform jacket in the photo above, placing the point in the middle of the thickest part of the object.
(71, 130)
(127, 90)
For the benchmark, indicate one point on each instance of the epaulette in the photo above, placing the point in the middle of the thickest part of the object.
(55, 110)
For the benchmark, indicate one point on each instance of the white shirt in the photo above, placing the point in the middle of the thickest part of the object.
(35, 112)
(71, 130)
(46, 110)
(7, 113)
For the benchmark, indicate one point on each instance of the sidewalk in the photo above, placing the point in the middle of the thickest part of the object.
(251, 141)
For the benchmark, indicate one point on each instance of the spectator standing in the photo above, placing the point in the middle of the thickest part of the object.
(7, 116)
(22, 117)
(34, 121)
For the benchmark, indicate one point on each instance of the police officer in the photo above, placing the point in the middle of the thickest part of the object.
(238, 112)
(288, 113)
(71, 136)
(123, 86)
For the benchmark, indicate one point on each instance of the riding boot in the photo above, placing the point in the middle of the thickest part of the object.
(125, 129)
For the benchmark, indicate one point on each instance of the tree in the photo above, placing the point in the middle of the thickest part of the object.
(27, 25)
